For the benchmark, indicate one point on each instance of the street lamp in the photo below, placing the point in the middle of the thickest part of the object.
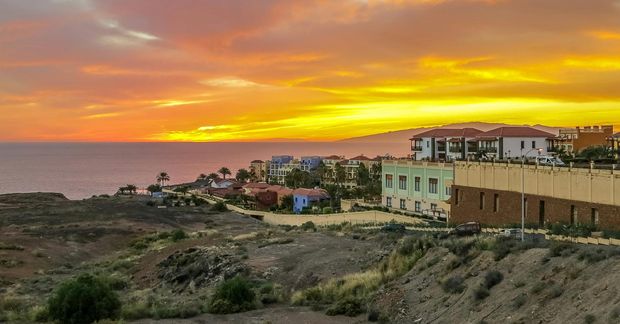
(523, 190)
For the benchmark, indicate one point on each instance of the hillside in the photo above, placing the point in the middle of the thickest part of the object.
(403, 136)
(335, 274)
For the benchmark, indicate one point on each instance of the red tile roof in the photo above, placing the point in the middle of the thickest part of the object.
(256, 185)
(450, 132)
(516, 131)
(360, 158)
(319, 193)
(333, 157)
(258, 161)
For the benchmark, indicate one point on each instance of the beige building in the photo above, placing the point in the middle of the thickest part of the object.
(259, 170)
(491, 193)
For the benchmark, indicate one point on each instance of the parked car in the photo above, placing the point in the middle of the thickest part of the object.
(393, 227)
(549, 160)
(466, 229)
(511, 232)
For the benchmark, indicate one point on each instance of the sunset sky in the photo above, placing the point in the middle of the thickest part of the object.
(183, 70)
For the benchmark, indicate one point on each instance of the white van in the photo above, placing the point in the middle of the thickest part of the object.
(549, 160)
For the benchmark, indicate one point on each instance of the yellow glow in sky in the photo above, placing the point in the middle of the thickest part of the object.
(155, 70)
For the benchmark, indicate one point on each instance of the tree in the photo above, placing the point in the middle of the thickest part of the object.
(340, 174)
(154, 188)
(84, 300)
(321, 172)
(162, 178)
(243, 175)
(132, 189)
(224, 171)
(201, 177)
(212, 176)
(592, 153)
(287, 203)
(299, 179)
(363, 175)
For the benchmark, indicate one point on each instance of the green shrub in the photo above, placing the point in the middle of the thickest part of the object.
(589, 319)
(308, 226)
(85, 299)
(538, 287)
(592, 255)
(219, 207)
(519, 301)
(454, 285)
(178, 234)
(562, 249)
(348, 306)
(556, 291)
(481, 293)
(492, 278)
(232, 296)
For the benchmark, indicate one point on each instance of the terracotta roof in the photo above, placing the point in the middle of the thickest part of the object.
(516, 131)
(256, 185)
(450, 132)
(415, 139)
(455, 140)
(319, 193)
(258, 161)
(360, 158)
(332, 157)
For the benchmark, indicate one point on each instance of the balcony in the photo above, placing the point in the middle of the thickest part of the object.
(455, 149)
(416, 148)
(441, 148)
(489, 149)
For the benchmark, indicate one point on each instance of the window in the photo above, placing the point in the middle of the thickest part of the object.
(573, 214)
(595, 216)
(481, 200)
(388, 201)
(448, 191)
(456, 196)
(432, 185)
(388, 181)
(428, 144)
(433, 207)
(417, 184)
(533, 144)
(295, 199)
(418, 206)
(522, 144)
(304, 202)
(402, 182)
(402, 204)
(495, 203)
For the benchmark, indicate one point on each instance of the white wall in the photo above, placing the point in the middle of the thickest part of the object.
(513, 144)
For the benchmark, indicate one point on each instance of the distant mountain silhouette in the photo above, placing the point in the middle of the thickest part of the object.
(403, 136)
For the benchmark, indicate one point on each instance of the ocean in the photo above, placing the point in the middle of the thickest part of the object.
(81, 170)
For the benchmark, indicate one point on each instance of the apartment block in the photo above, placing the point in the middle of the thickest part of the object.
(573, 140)
(490, 193)
(417, 187)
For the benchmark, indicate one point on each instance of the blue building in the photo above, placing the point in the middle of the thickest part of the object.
(308, 163)
(306, 198)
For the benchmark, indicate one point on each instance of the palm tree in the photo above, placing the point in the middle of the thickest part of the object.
(243, 175)
(212, 176)
(163, 177)
(224, 171)
(202, 176)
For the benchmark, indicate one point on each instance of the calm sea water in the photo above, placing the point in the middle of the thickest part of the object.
(80, 170)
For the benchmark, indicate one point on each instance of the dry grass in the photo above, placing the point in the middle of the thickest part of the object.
(362, 285)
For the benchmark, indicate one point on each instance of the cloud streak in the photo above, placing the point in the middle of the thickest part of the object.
(241, 70)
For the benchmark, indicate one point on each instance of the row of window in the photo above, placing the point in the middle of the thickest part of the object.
(574, 212)
(402, 184)
(403, 204)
